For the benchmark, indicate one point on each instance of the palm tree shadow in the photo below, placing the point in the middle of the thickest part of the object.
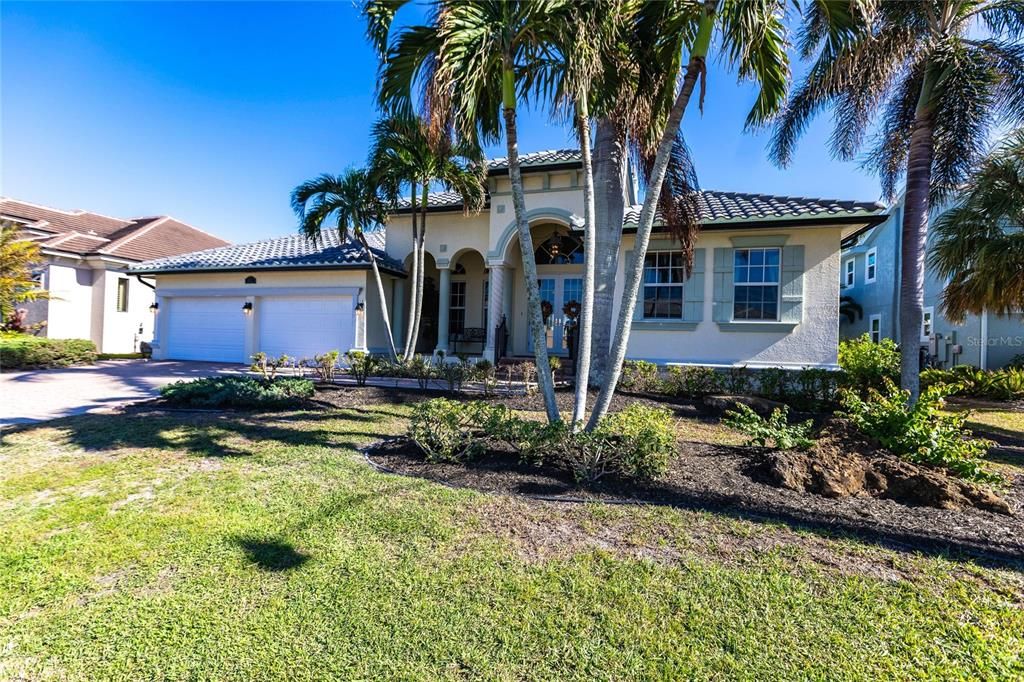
(271, 555)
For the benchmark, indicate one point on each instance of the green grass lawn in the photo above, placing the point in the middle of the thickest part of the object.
(263, 547)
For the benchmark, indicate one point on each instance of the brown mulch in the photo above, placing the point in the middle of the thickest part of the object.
(718, 478)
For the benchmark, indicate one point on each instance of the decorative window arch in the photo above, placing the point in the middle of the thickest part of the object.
(560, 249)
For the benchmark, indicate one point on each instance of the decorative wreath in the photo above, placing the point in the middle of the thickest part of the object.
(546, 309)
(571, 309)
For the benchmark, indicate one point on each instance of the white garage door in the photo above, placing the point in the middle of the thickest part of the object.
(206, 329)
(304, 326)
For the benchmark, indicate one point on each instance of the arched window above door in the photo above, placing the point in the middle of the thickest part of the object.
(560, 249)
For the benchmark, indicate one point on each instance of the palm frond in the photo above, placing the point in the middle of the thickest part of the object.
(678, 200)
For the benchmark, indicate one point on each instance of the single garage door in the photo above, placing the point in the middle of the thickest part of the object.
(304, 326)
(206, 328)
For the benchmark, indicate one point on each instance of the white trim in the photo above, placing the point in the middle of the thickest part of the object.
(261, 291)
(928, 311)
(850, 272)
(871, 331)
(777, 284)
(870, 277)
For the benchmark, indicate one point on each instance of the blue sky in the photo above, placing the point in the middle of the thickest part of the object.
(213, 112)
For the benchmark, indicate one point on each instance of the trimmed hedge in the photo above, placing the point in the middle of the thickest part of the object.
(21, 351)
(238, 391)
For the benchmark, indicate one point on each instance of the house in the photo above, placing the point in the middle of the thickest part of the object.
(761, 292)
(85, 269)
(869, 276)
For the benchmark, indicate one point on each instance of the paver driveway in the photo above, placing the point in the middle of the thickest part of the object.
(44, 394)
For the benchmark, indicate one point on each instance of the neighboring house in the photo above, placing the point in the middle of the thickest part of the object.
(85, 269)
(870, 277)
(761, 293)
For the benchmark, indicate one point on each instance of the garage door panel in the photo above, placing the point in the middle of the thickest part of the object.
(302, 327)
(201, 328)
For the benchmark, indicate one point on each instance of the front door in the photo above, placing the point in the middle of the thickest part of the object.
(556, 295)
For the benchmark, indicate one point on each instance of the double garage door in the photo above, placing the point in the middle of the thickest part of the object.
(214, 328)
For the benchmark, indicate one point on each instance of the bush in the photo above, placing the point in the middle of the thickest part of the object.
(644, 439)
(640, 376)
(420, 369)
(775, 431)
(1003, 384)
(326, 366)
(691, 381)
(20, 351)
(453, 431)
(868, 365)
(455, 373)
(361, 366)
(921, 433)
(267, 367)
(238, 391)
(773, 383)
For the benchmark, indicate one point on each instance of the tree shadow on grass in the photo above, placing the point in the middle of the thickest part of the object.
(272, 555)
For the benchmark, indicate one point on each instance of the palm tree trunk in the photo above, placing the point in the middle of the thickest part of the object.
(694, 70)
(545, 381)
(410, 346)
(422, 275)
(586, 320)
(609, 208)
(380, 293)
(914, 239)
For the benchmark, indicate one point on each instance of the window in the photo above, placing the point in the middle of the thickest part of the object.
(872, 266)
(875, 328)
(663, 285)
(927, 323)
(39, 277)
(560, 250)
(457, 309)
(122, 294)
(755, 277)
(849, 273)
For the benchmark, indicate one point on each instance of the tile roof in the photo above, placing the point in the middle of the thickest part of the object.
(548, 157)
(293, 251)
(725, 208)
(435, 200)
(84, 233)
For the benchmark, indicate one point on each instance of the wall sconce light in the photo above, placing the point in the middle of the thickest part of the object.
(154, 307)
(247, 307)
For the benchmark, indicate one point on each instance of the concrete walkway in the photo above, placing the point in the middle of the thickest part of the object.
(38, 395)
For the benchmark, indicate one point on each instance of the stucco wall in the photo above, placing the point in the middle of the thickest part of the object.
(70, 304)
(121, 332)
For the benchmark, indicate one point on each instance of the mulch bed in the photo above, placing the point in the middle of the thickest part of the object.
(718, 478)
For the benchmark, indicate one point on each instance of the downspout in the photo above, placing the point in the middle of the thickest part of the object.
(144, 282)
(983, 361)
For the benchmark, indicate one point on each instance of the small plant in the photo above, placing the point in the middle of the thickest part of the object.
(555, 363)
(867, 365)
(361, 365)
(484, 372)
(737, 380)
(776, 431)
(268, 367)
(773, 383)
(326, 366)
(640, 376)
(420, 369)
(238, 391)
(1003, 384)
(455, 373)
(922, 432)
(528, 372)
(453, 431)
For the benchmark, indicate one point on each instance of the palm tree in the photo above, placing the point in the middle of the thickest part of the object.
(404, 153)
(472, 62)
(352, 199)
(18, 258)
(850, 309)
(752, 37)
(979, 245)
(940, 72)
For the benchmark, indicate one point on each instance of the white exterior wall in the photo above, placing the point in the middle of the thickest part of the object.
(121, 332)
(69, 313)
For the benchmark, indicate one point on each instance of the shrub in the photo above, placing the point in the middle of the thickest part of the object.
(420, 369)
(815, 388)
(455, 373)
(326, 366)
(238, 391)
(640, 376)
(776, 431)
(20, 351)
(691, 381)
(453, 431)
(485, 372)
(737, 380)
(867, 365)
(773, 383)
(921, 433)
(644, 439)
(360, 365)
(267, 367)
(1004, 384)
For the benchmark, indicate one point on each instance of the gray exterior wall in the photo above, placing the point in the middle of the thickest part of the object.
(1003, 339)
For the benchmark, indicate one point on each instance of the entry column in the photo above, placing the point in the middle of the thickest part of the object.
(495, 306)
(444, 300)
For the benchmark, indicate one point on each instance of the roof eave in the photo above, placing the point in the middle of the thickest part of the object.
(265, 268)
